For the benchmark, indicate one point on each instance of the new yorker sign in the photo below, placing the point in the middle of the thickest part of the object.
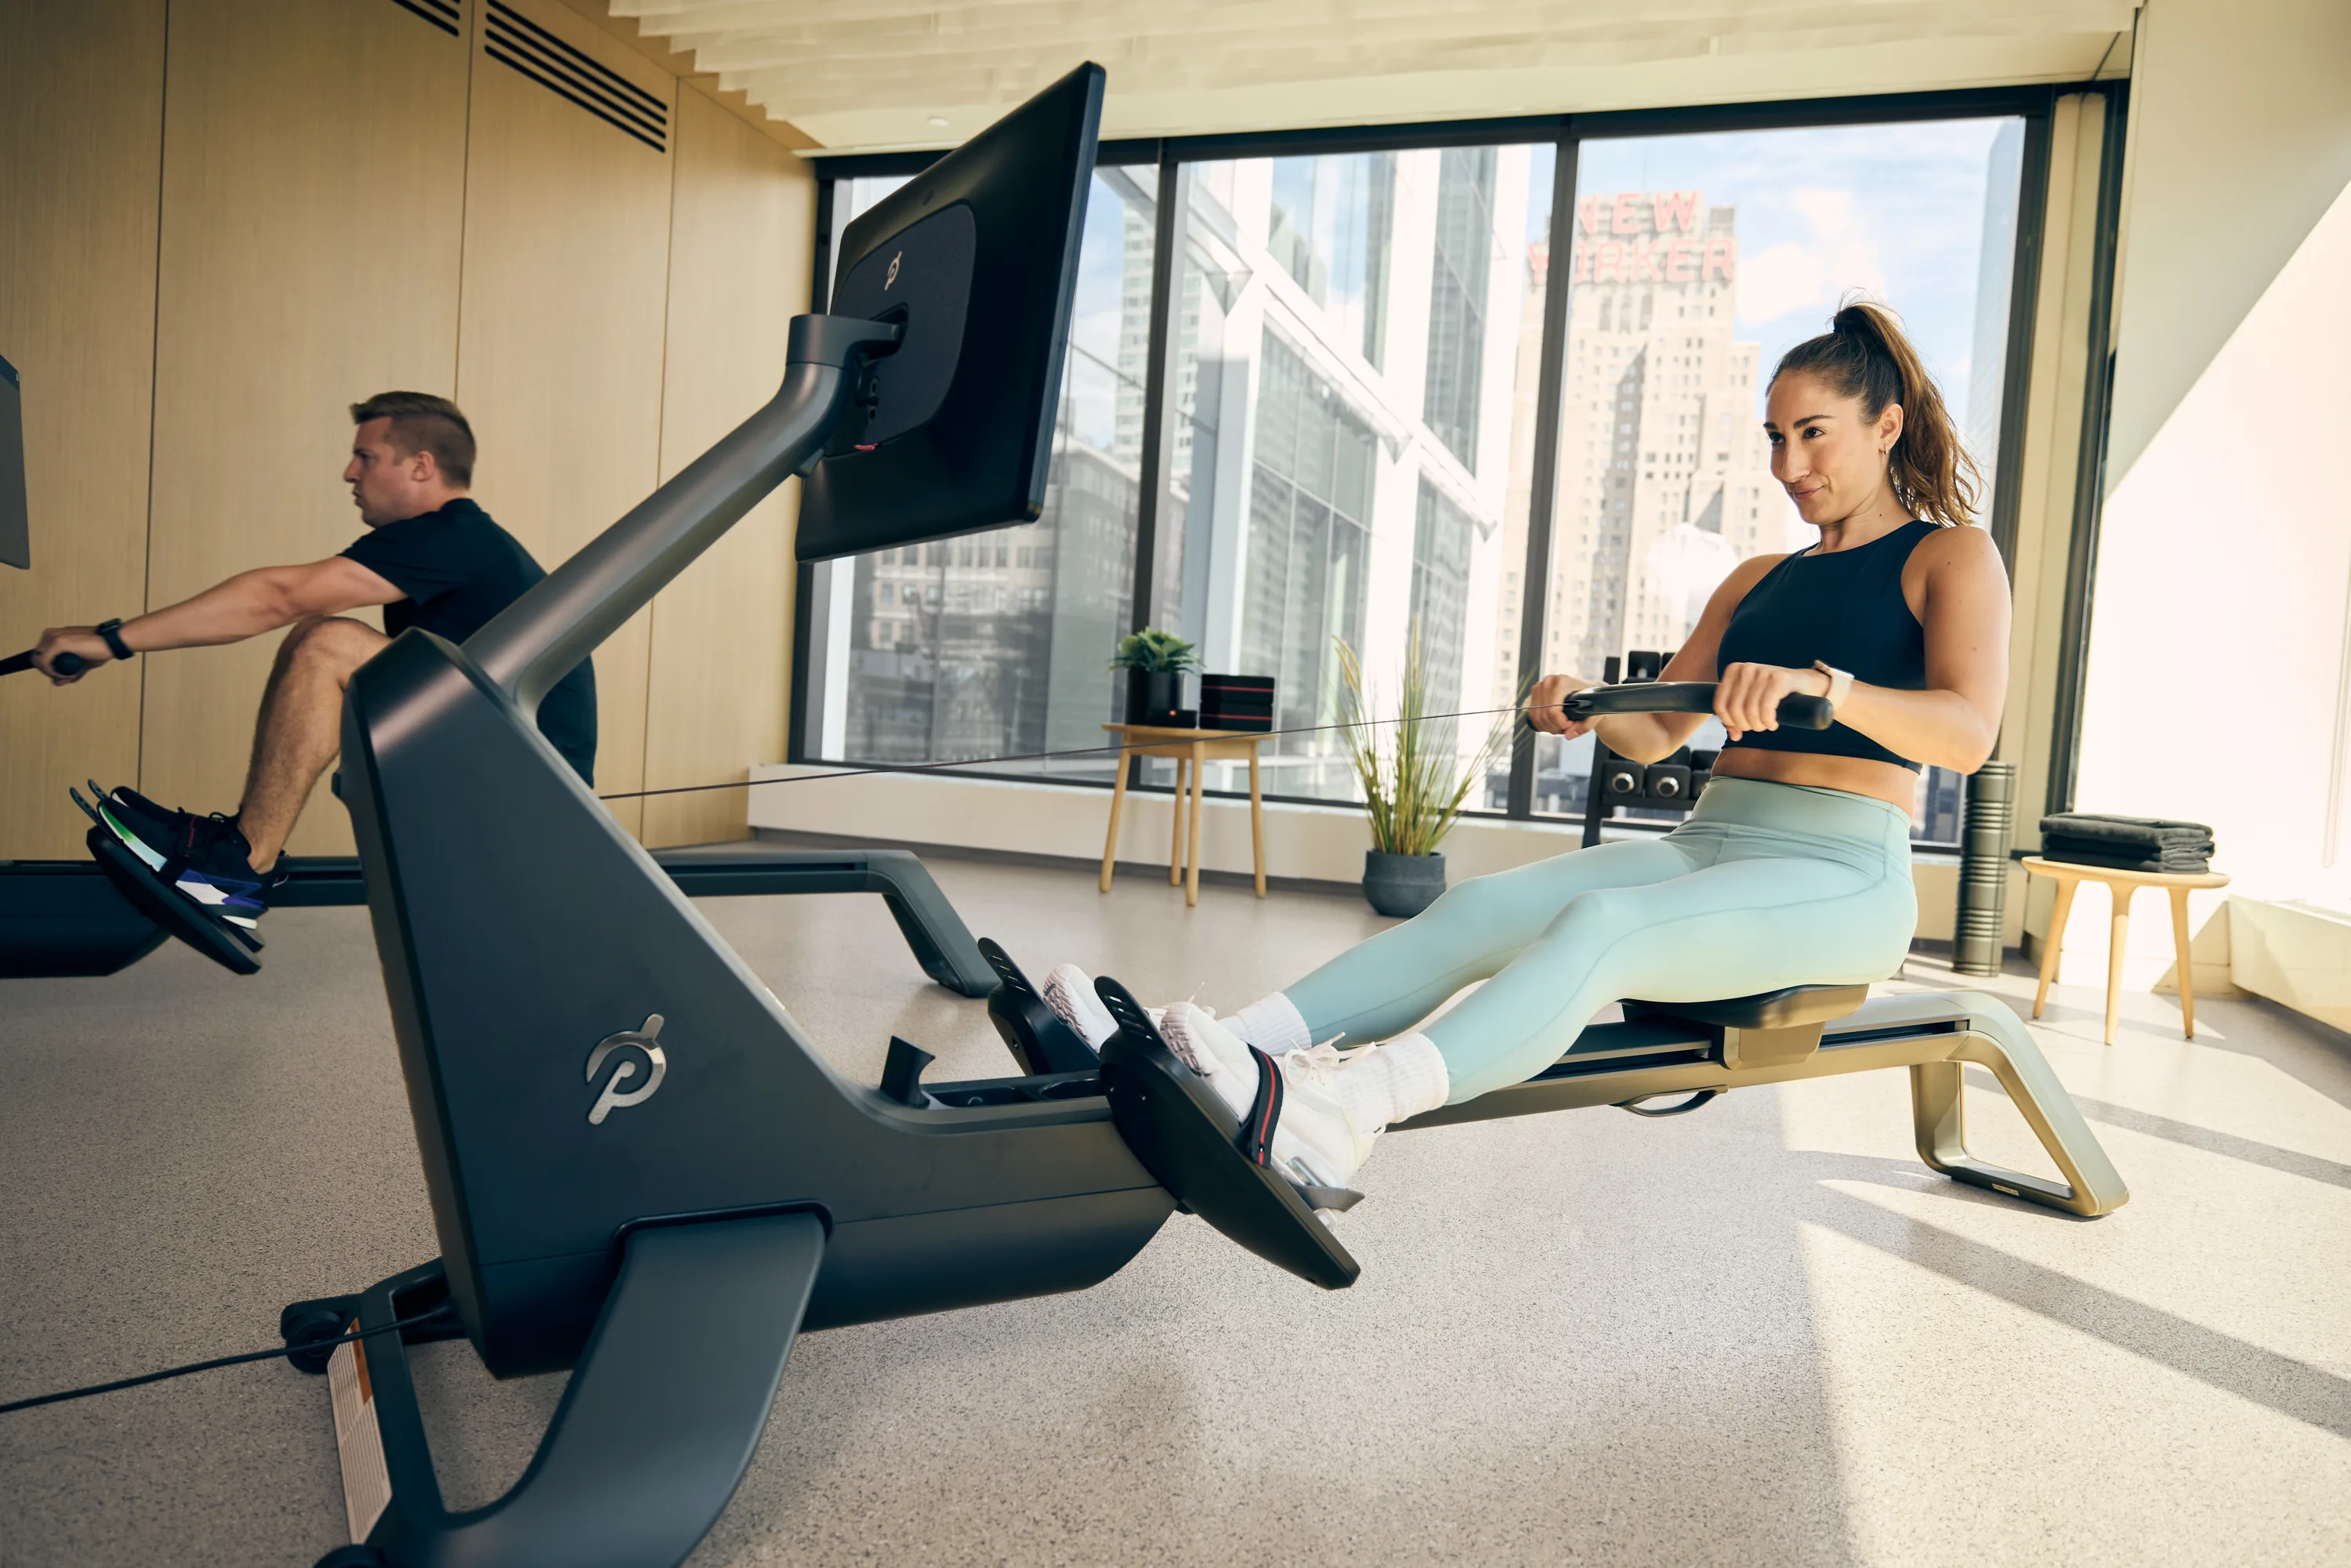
(1649, 236)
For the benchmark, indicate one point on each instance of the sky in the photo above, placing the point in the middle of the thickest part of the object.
(1897, 210)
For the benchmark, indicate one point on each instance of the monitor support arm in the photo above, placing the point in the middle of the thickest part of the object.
(536, 640)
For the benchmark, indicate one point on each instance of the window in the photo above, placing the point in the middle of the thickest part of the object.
(1443, 536)
(1698, 261)
(1462, 257)
(1327, 224)
(1349, 425)
(1005, 652)
(1309, 536)
(1320, 487)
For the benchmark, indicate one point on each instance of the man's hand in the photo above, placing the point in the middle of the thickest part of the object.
(1543, 710)
(1747, 696)
(82, 642)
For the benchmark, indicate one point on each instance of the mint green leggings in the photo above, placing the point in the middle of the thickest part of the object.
(1764, 886)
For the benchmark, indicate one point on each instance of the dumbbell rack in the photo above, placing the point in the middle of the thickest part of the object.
(1672, 785)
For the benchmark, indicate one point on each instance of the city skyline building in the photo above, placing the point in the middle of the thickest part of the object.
(1664, 474)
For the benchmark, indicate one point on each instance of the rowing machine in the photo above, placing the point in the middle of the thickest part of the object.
(639, 1167)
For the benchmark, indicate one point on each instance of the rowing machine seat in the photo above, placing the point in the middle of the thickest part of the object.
(1772, 1027)
(1784, 1009)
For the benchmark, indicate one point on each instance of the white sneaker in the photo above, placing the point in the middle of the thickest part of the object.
(1334, 1102)
(1069, 992)
(1213, 1052)
(1318, 1139)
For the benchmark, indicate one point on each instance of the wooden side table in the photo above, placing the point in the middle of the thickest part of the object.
(2120, 886)
(1190, 748)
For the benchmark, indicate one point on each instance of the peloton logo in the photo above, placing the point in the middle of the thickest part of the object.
(616, 1094)
(892, 275)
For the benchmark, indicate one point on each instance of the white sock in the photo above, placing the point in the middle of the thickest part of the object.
(1393, 1082)
(1274, 1026)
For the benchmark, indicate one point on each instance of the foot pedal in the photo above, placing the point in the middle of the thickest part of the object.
(1040, 1041)
(1191, 1142)
(169, 908)
(249, 940)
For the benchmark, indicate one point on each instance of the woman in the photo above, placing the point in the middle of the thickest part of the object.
(1794, 866)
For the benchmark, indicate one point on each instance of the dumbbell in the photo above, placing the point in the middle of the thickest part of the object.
(1668, 782)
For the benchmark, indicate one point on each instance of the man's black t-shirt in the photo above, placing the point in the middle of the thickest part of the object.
(459, 570)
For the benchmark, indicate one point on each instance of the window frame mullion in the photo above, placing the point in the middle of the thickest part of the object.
(1543, 488)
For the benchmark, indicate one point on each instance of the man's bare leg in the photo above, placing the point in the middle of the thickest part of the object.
(300, 727)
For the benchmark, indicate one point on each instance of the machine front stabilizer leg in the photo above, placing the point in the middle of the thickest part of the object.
(654, 1431)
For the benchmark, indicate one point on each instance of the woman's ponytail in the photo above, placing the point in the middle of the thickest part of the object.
(1864, 356)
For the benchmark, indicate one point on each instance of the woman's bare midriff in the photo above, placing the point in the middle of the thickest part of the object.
(1855, 774)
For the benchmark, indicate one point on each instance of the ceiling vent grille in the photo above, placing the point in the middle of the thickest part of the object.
(513, 39)
(442, 13)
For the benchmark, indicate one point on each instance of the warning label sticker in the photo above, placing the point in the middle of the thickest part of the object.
(367, 1485)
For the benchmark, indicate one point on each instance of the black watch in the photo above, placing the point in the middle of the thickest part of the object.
(112, 632)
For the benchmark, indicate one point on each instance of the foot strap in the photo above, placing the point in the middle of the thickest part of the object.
(1265, 1111)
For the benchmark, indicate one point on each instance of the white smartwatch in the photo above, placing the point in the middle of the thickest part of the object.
(1840, 683)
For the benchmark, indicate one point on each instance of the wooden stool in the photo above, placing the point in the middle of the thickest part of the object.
(1188, 747)
(2120, 886)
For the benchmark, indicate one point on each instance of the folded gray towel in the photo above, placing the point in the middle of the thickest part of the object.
(2123, 835)
(2170, 863)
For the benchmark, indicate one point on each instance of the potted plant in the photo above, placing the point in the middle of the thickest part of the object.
(1154, 662)
(1414, 779)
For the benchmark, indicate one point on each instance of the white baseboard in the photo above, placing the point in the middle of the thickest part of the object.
(2297, 954)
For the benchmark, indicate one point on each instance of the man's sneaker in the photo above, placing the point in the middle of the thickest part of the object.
(1069, 992)
(206, 858)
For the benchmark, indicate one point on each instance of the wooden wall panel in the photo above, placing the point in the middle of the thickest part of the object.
(559, 359)
(314, 186)
(81, 105)
(740, 243)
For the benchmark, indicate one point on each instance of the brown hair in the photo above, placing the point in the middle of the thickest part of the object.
(1864, 355)
(422, 423)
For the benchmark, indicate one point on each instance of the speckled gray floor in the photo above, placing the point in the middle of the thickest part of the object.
(1762, 1335)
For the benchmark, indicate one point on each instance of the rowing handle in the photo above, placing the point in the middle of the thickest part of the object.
(66, 663)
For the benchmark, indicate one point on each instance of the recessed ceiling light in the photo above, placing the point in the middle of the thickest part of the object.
(940, 120)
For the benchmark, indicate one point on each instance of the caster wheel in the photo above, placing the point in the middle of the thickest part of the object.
(309, 1327)
(353, 1557)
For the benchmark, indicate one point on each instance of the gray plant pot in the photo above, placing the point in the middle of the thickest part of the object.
(1402, 885)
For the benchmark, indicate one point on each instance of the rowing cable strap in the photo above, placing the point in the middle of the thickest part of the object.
(1110, 749)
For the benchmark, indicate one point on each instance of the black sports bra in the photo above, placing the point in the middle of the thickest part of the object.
(1845, 608)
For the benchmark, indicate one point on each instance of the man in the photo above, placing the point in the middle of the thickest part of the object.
(430, 558)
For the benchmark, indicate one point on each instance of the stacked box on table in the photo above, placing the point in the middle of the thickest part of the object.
(1237, 702)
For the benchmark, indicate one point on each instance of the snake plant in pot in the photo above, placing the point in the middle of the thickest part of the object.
(1154, 662)
(1414, 775)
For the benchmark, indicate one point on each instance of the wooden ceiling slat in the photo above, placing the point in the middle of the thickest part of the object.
(918, 57)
